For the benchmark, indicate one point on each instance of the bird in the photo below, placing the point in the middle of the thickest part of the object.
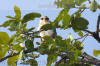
(51, 32)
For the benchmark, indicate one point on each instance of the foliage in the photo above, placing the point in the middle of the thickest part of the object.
(21, 45)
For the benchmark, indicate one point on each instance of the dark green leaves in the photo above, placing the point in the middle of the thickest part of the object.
(60, 42)
(14, 26)
(78, 45)
(17, 12)
(29, 45)
(30, 16)
(48, 39)
(79, 24)
(51, 58)
(7, 23)
(47, 26)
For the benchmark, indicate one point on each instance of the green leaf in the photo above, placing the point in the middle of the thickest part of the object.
(17, 47)
(93, 6)
(79, 23)
(66, 18)
(80, 34)
(78, 45)
(3, 50)
(30, 16)
(14, 26)
(96, 52)
(51, 59)
(68, 4)
(7, 23)
(46, 27)
(17, 12)
(10, 17)
(16, 38)
(60, 42)
(29, 45)
(79, 2)
(48, 39)
(4, 38)
(12, 60)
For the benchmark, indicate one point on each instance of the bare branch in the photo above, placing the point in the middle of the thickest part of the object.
(97, 27)
(88, 31)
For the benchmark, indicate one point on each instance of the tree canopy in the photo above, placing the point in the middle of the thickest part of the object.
(20, 46)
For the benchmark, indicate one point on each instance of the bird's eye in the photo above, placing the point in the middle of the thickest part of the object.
(46, 18)
(41, 18)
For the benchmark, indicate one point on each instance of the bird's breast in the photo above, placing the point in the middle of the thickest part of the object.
(46, 33)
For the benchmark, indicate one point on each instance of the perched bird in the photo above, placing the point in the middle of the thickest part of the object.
(52, 32)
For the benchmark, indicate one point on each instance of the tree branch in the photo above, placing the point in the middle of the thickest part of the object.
(86, 59)
(2, 59)
(57, 63)
(88, 31)
(90, 59)
(14, 54)
(97, 27)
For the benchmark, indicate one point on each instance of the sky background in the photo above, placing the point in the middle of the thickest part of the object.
(47, 7)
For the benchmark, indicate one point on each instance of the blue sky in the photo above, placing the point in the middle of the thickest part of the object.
(46, 7)
(26, 4)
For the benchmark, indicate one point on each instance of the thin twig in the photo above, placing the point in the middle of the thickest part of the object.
(84, 38)
(57, 63)
(81, 37)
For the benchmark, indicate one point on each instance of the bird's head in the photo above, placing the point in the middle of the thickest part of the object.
(44, 19)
